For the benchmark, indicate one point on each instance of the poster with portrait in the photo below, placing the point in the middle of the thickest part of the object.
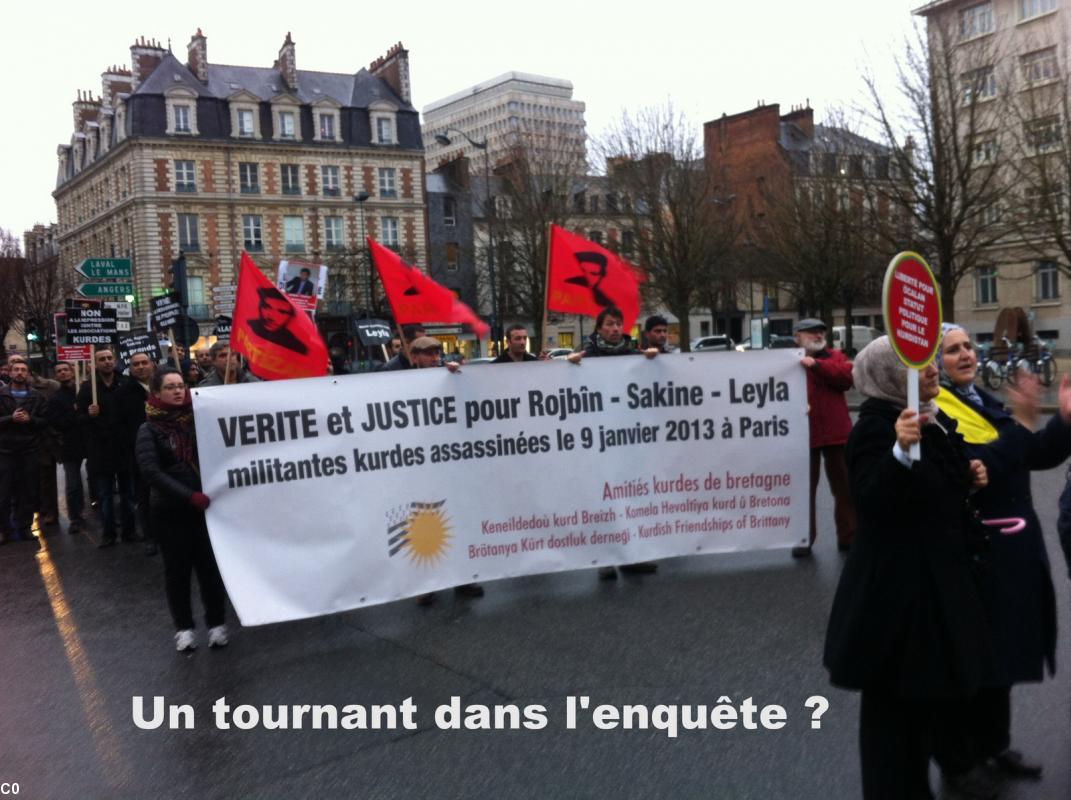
(303, 282)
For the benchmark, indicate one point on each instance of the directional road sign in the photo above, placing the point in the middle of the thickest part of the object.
(105, 289)
(97, 268)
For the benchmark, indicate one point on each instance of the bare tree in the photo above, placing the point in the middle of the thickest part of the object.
(10, 246)
(943, 175)
(43, 288)
(684, 222)
(11, 270)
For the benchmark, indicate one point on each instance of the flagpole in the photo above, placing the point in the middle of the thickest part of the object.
(227, 371)
(93, 371)
(546, 286)
(174, 351)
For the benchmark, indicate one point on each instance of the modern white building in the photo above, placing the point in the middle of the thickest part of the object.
(511, 109)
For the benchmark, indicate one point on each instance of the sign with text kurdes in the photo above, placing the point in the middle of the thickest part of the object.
(334, 493)
(911, 300)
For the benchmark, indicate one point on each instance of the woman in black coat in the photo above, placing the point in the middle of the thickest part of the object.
(1017, 589)
(167, 458)
(907, 626)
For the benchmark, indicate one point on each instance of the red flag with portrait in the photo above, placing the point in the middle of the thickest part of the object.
(416, 298)
(279, 339)
(584, 277)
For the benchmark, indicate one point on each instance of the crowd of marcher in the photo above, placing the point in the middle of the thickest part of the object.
(939, 612)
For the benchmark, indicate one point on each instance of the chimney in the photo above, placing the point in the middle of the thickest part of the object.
(145, 56)
(393, 69)
(197, 56)
(803, 117)
(287, 62)
(85, 110)
(114, 81)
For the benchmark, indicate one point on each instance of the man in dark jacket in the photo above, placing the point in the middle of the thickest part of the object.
(129, 415)
(63, 417)
(516, 346)
(656, 332)
(22, 423)
(829, 376)
(399, 361)
(103, 445)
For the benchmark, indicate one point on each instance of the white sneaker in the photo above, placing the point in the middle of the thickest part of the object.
(217, 636)
(184, 640)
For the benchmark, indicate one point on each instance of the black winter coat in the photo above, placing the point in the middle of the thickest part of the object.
(908, 618)
(63, 417)
(171, 480)
(1018, 589)
(129, 416)
(22, 437)
(591, 348)
(100, 433)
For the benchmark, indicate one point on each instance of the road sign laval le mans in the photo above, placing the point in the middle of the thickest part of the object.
(106, 268)
(912, 305)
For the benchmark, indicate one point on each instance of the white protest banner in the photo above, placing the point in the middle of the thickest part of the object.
(333, 493)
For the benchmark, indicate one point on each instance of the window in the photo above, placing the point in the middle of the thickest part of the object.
(1047, 280)
(976, 21)
(195, 290)
(294, 234)
(453, 256)
(286, 125)
(992, 214)
(327, 126)
(1044, 135)
(245, 122)
(291, 178)
(1039, 66)
(985, 286)
(330, 181)
(978, 85)
(386, 182)
(189, 242)
(249, 177)
(333, 238)
(182, 119)
(384, 130)
(390, 231)
(595, 236)
(628, 242)
(252, 239)
(1035, 8)
(184, 177)
(449, 211)
(1047, 201)
(985, 149)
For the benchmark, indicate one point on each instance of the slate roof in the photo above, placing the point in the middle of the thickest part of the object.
(353, 91)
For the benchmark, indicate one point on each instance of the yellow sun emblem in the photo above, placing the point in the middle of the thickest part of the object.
(429, 533)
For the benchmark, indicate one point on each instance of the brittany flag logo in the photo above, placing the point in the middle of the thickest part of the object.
(420, 530)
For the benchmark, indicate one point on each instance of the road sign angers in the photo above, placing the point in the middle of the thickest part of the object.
(91, 325)
(106, 268)
(105, 289)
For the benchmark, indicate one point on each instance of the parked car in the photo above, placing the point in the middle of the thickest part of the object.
(861, 337)
(717, 342)
(559, 352)
(780, 342)
(482, 360)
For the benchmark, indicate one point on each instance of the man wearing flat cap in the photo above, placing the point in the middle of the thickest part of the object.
(829, 376)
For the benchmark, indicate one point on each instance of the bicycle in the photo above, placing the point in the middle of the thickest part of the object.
(1043, 365)
(996, 372)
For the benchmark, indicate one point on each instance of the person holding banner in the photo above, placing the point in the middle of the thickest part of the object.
(829, 376)
(610, 339)
(907, 626)
(656, 333)
(1018, 590)
(167, 457)
(398, 360)
(516, 350)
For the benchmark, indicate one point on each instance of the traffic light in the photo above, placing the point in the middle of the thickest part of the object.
(33, 334)
(178, 279)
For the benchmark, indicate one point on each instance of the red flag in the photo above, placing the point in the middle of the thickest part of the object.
(584, 278)
(279, 339)
(415, 297)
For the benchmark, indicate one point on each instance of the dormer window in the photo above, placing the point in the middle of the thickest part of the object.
(245, 115)
(383, 116)
(326, 117)
(181, 112)
(286, 125)
(245, 122)
(384, 130)
(327, 127)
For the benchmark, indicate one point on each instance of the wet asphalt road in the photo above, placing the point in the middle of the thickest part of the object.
(83, 630)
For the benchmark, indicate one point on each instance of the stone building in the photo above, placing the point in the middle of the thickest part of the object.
(210, 160)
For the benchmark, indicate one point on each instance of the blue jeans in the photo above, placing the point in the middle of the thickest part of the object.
(72, 480)
(106, 483)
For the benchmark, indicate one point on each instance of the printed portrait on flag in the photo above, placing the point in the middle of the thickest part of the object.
(274, 315)
(584, 278)
(593, 270)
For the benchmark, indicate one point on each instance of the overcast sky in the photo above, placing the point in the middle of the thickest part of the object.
(708, 59)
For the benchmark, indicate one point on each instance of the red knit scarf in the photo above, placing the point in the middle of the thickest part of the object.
(176, 423)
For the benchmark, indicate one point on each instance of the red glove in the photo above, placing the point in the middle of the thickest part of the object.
(200, 501)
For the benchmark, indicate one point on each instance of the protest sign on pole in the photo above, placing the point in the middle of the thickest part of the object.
(140, 342)
(75, 353)
(222, 329)
(166, 311)
(911, 301)
(335, 493)
(91, 326)
(372, 332)
(303, 282)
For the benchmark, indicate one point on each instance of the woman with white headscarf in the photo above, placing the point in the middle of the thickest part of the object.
(1018, 591)
(907, 626)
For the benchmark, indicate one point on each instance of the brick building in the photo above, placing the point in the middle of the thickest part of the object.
(211, 159)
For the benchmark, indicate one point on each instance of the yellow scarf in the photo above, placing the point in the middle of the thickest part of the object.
(972, 426)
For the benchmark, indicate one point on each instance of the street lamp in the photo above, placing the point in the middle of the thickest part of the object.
(444, 140)
(360, 198)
